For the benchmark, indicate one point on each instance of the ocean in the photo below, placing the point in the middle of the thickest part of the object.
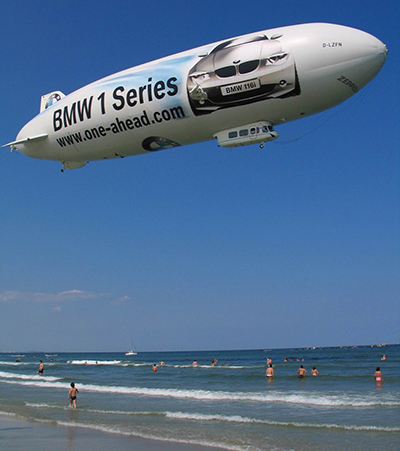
(231, 405)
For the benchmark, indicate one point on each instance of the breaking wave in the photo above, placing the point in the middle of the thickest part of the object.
(306, 399)
(141, 434)
(94, 362)
(227, 419)
(33, 377)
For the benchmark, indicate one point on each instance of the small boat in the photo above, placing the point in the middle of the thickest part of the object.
(132, 351)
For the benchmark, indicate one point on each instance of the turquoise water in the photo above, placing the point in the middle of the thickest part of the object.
(231, 405)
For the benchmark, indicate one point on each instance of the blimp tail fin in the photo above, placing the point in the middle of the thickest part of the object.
(50, 99)
(25, 140)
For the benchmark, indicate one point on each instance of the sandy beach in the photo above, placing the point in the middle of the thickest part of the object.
(17, 434)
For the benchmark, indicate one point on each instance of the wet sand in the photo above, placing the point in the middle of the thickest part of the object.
(17, 434)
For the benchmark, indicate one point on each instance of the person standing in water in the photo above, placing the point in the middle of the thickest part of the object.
(378, 375)
(270, 371)
(41, 367)
(72, 395)
(301, 372)
(314, 371)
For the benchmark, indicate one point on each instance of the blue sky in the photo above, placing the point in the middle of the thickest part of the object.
(197, 248)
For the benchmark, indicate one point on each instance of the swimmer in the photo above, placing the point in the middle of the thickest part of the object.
(378, 375)
(269, 361)
(154, 368)
(270, 371)
(383, 357)
(285, 359)
(162, 363)
(301, 372)
(194, 362)
(41, 367)
(72, 395)
(314, 371)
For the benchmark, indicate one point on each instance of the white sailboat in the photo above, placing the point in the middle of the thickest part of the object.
(132, 351)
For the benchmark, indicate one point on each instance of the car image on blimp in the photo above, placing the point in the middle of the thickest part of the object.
(242, 71)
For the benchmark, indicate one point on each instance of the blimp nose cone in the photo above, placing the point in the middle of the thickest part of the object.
(369, 55)
(375, 48)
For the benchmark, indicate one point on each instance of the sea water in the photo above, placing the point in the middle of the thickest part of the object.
(231, 405)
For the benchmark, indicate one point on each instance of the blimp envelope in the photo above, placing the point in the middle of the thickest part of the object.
(236, 91)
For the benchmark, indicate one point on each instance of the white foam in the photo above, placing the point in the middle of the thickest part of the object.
(120, 431)
(41, 405)
(227, 418)
(43, 383)
(137, 364)
(94, 362)
(216, 366)
(18, 363)
(308, 399)
(28, 376)
(8, 414)
(240, 419)
(133, 433)
(100, 411)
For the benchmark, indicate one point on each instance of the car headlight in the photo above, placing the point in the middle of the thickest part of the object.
(199, 78)
(277, 58)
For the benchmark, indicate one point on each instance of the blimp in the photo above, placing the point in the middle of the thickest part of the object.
(236, 91)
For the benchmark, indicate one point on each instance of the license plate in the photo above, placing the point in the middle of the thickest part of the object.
(237, 88)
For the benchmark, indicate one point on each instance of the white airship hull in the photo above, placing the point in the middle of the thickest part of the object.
(274, 76)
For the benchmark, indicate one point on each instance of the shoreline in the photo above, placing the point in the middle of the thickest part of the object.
(20, 434)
